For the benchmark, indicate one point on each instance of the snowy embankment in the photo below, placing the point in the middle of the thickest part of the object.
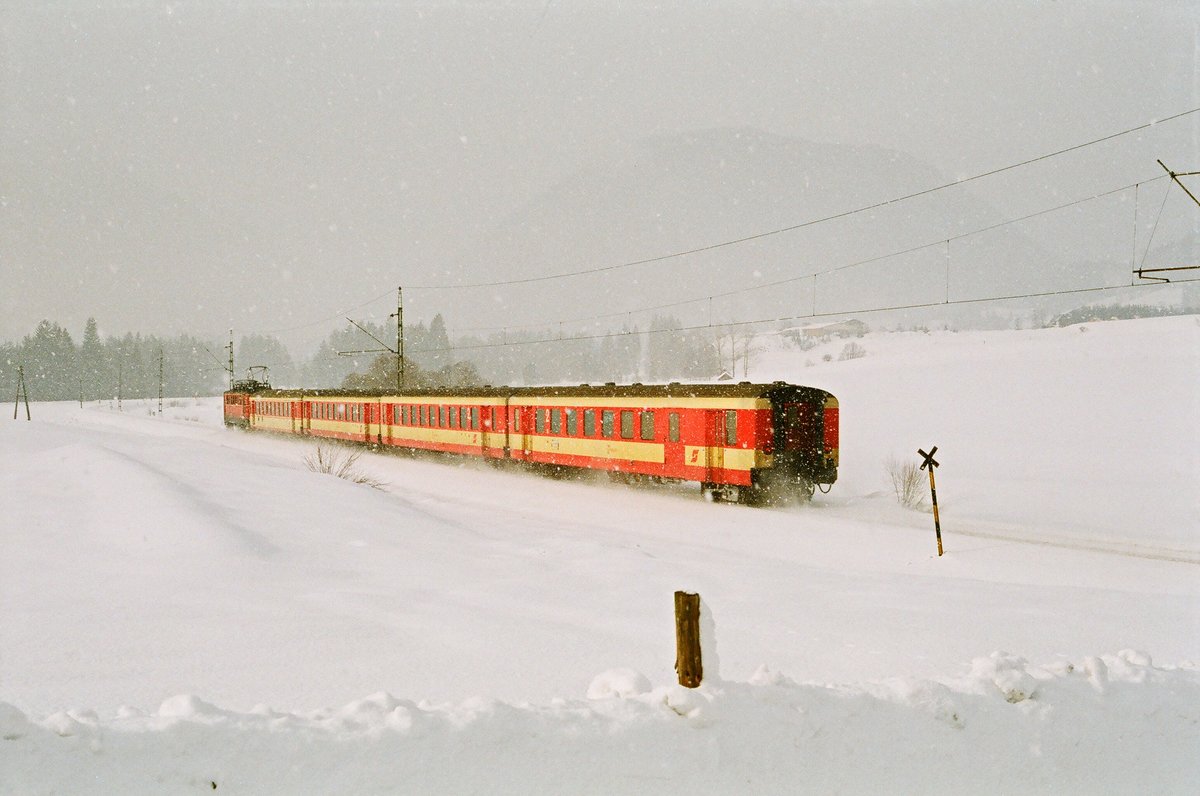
(1112, 724)
(1088, 434)
(146, 559)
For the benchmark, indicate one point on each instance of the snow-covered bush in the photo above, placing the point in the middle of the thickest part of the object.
(907, 482)
(852, 351)
(340, 462)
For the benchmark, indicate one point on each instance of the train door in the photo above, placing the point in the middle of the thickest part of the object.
(485, 426)
(673, 454)
(523, 417)
(714, 445)
(372, 422)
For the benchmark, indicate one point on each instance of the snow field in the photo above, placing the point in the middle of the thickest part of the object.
(163, 561)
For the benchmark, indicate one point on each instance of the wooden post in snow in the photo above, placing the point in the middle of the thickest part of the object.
(687, 639)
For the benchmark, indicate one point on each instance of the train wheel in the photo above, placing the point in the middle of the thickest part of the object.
(757, 496)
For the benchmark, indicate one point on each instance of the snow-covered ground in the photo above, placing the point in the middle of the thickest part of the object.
(185, 608)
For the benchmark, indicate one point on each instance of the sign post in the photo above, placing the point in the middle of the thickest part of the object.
(931, 463)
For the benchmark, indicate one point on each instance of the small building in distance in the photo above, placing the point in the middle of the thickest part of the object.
(826, 331)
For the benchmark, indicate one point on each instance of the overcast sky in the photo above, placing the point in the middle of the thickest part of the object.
(268, 166)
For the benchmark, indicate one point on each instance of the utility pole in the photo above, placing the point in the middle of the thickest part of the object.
(399, 316)
(160, 381)
(230, 346)
(120, 383)
(22, 392)
(398, 351)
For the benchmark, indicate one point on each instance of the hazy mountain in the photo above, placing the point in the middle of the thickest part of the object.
(676, 193)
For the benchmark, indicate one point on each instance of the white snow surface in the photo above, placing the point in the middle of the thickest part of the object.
(187, 608)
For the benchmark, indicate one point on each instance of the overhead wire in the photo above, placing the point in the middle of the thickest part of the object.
(757, 236)
(811, 222)
(335, 316)
(802, 316)
(1155, 229)
(836, 269)
(784, 318)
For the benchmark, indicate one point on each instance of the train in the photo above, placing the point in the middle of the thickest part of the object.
(756, 444)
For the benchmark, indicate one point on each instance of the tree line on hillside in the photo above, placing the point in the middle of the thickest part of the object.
(523, 357)
(657, 353)
(1116, 312)
(354, 358)
(57, 368)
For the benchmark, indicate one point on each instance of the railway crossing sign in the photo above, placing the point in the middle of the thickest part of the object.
(931, 463)
(929, 460)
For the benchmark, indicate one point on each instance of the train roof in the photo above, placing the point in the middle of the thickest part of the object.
(778, 390)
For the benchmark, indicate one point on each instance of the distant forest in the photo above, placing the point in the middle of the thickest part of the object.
(1116, 312)
(57, 368)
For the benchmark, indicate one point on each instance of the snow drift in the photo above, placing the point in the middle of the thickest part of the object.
(1108, 724)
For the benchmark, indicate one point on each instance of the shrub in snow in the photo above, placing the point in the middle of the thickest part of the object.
(341, 463)
(907, 482)
(852, 351)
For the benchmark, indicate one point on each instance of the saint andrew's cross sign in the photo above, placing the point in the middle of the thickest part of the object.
(930, 463)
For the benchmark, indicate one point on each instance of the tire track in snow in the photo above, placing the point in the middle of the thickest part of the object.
(1089, 545)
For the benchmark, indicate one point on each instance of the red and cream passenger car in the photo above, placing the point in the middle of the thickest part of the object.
(753, 443)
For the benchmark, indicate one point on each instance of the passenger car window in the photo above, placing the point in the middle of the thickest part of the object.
(627, 424)
(730, 427)
(673, 427)
(572, 422)
(647, 423)
(589, 422)
(606, 423)
(555, 421)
